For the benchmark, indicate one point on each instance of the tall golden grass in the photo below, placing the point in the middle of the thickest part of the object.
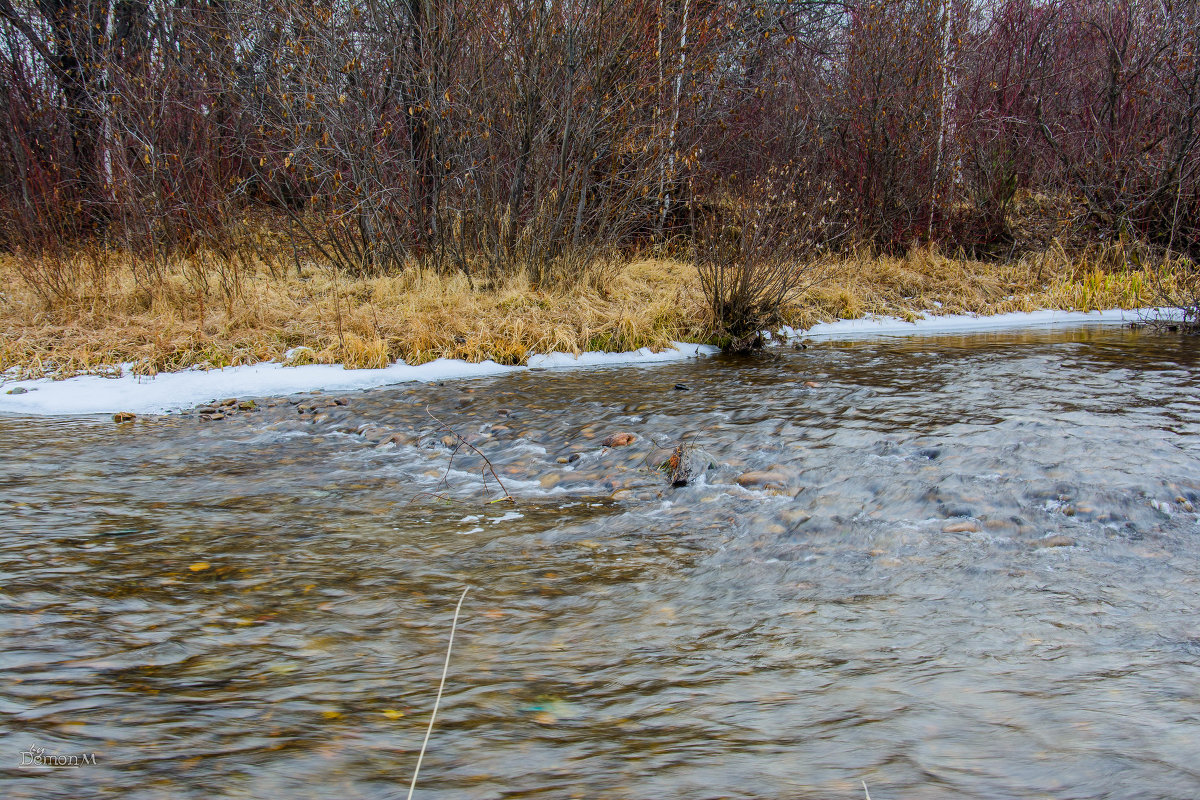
(206, 312)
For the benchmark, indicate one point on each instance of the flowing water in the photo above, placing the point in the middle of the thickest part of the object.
(971, 570)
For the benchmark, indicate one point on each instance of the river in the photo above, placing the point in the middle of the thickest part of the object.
(970, 570)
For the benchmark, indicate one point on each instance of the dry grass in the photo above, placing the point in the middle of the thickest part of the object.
(187, 320)
(208, 315)
(927, 281)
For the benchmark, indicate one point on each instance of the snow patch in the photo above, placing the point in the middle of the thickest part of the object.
(871, 326)
(93, 394)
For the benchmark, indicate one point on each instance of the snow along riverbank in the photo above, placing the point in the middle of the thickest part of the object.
(91, 394)
(168, 391)
(871, 326)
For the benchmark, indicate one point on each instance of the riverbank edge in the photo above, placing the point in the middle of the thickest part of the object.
(172, 391)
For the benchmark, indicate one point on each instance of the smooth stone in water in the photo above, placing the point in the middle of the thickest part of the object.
(795, 516)
(961, 527)
(762, 479)
(18, 390)
(618, 440)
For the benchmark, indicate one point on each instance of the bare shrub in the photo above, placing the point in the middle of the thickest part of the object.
(753, 263)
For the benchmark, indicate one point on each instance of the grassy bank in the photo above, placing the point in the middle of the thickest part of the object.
(196, 313)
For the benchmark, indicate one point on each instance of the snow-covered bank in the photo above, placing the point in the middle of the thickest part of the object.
(964, 323)
(91, 394)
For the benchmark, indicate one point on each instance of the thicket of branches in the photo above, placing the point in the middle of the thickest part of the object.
(546, 134)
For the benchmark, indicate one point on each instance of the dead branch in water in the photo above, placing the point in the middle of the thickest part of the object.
(486, 470)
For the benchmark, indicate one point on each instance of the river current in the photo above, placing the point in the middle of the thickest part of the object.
(959, 567)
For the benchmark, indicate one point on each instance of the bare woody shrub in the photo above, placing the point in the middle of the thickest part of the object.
(753, 264)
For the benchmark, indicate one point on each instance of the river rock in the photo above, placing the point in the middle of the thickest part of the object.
(124, 416)
(550, 480)
(1055, 541)
(685, 464)
(18, 390)
(618, 440)
(961, 527)
(795, 516)
(395, 439)
(762, 479)
(246, 405)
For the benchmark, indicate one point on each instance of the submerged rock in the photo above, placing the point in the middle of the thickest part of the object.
(762, 479)
(124, 416)
(395, 439)
(618, 440)
(961, 527)
(18, 390)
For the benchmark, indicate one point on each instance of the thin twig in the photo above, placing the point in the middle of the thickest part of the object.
(487, 464)
(867, 793)
(412, 787)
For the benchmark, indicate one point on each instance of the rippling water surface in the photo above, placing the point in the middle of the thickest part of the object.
(972, 572)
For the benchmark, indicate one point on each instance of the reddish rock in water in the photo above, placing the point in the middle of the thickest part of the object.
(762, 479)
(618, 440)
(124, 416)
